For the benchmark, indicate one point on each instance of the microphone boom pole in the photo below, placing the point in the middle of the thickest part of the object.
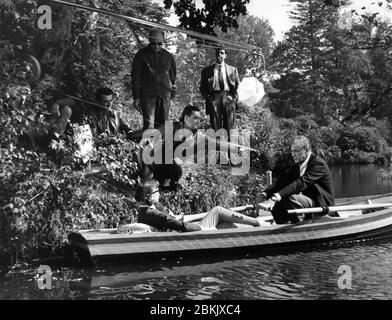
(162, 26)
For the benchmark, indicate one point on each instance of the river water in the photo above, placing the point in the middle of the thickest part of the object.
(311, 274)
(358, 180)
(355, 270)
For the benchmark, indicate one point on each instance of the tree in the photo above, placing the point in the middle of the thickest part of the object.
(334, 68)
(221, 13)
(303, 57)
(253, 31)
(190, 61)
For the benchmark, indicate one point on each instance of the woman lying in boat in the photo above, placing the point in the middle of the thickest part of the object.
(151, 212)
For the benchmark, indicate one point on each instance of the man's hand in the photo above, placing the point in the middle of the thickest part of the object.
(256, 206)
(267, 205)
(256, 210)
(263, 197)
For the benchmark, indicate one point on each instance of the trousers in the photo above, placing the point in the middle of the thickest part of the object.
(162, 172)
(295, 201)
(221, 109)
(220, 214)
(155, 111)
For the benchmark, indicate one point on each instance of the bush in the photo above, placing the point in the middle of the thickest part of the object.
(265, 135)
(365, 139)
(40, 200)
(42, 203)
(207, 187)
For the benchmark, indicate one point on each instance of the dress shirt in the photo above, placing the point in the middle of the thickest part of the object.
(216, 77)
(304, 165)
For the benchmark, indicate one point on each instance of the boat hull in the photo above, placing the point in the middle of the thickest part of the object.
(109, 245)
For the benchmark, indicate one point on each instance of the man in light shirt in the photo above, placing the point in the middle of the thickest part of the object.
(307, 184)
(218, 86)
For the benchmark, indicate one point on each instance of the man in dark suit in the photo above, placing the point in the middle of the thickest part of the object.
(218, 86)
(308, 184)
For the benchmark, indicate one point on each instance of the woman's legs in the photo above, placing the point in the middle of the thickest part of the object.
(219, 214)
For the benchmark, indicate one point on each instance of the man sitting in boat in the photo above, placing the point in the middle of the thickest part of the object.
(154, 214)
(307, 184)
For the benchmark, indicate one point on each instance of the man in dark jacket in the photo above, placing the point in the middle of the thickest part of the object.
(153, 81)
(171, 168)
(308, 184)
(218, 86)
(100, 119)
(105, 119)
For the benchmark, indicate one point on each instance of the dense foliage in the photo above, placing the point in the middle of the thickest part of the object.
(339, 76)
(42, 199)
(211, 14)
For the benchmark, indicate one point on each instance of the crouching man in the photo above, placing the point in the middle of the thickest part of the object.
(308, 184)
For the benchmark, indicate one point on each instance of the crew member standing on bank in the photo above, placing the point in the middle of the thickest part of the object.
(218, 85)
(153, 81)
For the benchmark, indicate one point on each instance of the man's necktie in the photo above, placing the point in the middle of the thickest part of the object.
(220, 78)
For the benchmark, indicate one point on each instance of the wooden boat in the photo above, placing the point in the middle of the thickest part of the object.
(108, 244)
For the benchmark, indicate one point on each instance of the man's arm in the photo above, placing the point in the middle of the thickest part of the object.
(237, 79)
(62, 102)
(313, 174)
(281, 182)
(122, 127)
(204, 84)
(136, 75)
(173, 76)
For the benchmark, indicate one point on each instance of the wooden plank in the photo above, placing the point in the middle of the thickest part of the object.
(341, 208)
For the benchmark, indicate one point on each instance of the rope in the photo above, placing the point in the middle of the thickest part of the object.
(79, 99)
(236, 45)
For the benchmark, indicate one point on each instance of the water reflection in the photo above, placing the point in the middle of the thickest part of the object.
(358, 180)
(309, 274)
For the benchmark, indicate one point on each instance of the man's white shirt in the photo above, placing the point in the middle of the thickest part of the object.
(216, 77)
(304, 165)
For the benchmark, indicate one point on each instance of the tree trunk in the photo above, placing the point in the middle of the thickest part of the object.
(314, 72)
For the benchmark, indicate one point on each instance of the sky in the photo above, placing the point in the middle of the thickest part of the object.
(277, 12)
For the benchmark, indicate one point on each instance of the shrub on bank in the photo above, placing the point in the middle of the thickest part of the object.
(41, 203)
(42, 200)
(265, 135)
(363, 144)
(205, 187)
